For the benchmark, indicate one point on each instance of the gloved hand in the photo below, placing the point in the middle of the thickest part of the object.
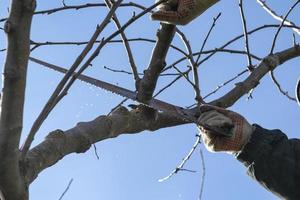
(187, 10)
(217, 117)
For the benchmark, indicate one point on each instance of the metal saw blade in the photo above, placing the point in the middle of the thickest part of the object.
(182, 113)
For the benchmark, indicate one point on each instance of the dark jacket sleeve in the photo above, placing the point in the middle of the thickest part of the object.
(274, 161)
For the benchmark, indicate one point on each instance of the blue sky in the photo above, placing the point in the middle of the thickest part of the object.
(130, 165)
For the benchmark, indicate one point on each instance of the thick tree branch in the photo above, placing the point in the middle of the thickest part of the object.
(17, 28)
(157, 63)
(269, 63)
(79, 139)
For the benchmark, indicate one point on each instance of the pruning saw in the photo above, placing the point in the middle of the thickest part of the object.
(177, 111)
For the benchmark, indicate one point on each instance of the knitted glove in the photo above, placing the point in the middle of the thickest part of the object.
(187, 10)
(220, 118)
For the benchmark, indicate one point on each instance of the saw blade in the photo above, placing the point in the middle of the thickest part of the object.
(177, 111)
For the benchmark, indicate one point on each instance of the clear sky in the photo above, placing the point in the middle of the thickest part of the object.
(130, 165)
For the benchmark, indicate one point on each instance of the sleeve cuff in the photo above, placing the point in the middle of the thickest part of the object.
(260, 142)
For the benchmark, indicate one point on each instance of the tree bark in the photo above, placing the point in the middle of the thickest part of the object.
(17, 28)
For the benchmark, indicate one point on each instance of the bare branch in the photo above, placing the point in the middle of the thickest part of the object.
(82, 6)
(194, 67)
(268, 64)
(281, 25)
(278, 17)
(207, 36)
(225, 83)
(250, 66)
(184, 161)
(40, 44)
(51, 102)
(66, 190)
(203, 174)
(126, 44)
(285, 93)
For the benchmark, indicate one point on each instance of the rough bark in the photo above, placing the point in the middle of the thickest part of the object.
(17, 28)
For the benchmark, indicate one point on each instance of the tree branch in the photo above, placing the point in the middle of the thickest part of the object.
(79, 139)
(17, 28)
(53, 99)
(59, 143)
(269, 63)
(277, 17)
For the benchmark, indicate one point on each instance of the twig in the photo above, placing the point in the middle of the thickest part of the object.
(278, 17)
(281, 25)
(96, 151)
(40, 44)
(66, 190)
(194, 67)
(250, 66)
(184, 161)
(78, 7)
(220, 49)
(225, 83)
(203, 174)
(285, 93)
(184, 76)
(294, 39)
(167, 86)
(213, 52)
(207, 36)
(130, 73)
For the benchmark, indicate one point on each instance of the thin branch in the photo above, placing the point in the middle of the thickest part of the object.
(168, 85)
(120, 71)
(53, 99)
(220, 49)
(278, 17)
(250, 66)
(281, 25)
(207, 36)
(40, 44)
(203, 174)
(109, 4)
(66, 190)
(194, 67)
(185, 76)
(96, 151)
(225, 83)
(285, 93)
(78, 7)
(268, 64)
(184, 161)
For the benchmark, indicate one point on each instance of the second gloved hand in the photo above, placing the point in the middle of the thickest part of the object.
(226, 120)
